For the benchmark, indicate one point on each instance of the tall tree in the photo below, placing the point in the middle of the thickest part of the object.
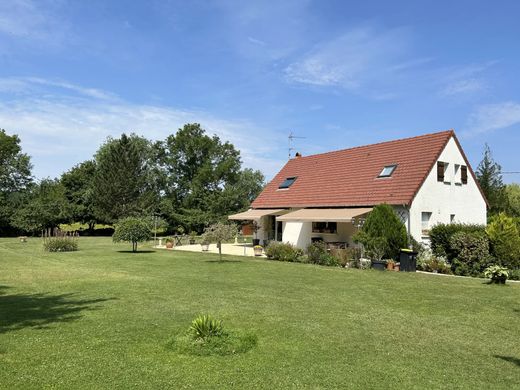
(15, 176)
(124, 184)
(201, 175)
(489, 176)
(513, 199)
(78, 184)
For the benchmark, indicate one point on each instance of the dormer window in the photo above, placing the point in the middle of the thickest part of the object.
(287, 183)
(388, 170)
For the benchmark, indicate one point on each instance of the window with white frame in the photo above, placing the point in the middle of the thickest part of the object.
(425, 222)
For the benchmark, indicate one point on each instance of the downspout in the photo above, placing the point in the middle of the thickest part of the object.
(407, 208)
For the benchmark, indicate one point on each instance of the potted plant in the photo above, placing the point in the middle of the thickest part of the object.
(497, 274)
(169, 243)
(256, 227)
(258, 249)
(193, 234)
(397, 266)
(390, 264)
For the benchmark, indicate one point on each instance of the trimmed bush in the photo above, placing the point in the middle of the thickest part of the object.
(317, 254)
(60, 244)
(471, 253)
(283, 252)
(504, 240)
(441, 234)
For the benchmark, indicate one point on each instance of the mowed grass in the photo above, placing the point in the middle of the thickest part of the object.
(103, 318)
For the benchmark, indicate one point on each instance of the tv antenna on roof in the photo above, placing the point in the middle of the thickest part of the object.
(291, 138)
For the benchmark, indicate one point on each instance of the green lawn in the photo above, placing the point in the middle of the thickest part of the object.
(103, 318)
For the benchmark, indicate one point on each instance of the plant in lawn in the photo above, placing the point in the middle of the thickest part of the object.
(219, 232)
(205, 326)
(132, 230)
(497, 274)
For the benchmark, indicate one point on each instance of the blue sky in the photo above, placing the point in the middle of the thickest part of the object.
(339, 73)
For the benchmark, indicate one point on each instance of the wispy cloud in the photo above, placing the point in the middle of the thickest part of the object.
(360, 59)
(464, 80)
(33, 20)
(492, 117)
(60, 129)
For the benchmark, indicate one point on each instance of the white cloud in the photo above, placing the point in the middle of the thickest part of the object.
(59, 129)
(490, 117)
(465, 80)
(33, 20)
(362, 58)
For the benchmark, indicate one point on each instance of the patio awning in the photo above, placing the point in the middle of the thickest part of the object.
(253, 214)
(324, 215)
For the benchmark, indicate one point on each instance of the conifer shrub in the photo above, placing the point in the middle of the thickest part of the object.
(383, 233)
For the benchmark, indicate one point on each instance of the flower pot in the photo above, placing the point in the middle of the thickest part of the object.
(192, 241)
(379, 265)
(258, 251)
(390, 266)
(205, 247)
(396, 267)
(169, 245)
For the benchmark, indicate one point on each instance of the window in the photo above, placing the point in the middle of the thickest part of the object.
(425, 222)
(440, 171)
(464, 174)
(324, 227)
(388, 170)
(456, 176)
(452, 218)
(287, 183)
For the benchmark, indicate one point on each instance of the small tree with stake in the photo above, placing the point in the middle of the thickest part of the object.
(132, 230)
(219, 232)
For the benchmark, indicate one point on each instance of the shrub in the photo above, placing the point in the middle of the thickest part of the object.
(496, 273)
(132, 230)
(427, 261)
(60, 244)
(441, 234)
(205, 326)
(504, 240)
(317, 254)
(471, 253)
(383, 232)
(283, 252)
(345, 257)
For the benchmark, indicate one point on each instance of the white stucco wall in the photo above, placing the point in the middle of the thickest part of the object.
(297, 233)
(445, 199)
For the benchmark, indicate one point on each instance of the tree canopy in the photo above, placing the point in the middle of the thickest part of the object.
(132, 229)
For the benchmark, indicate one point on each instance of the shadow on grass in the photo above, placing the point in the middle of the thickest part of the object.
(145, 251)
(509, 359)
(19, 311)
(223, 261)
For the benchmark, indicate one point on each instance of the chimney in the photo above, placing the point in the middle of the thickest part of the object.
(297, 155)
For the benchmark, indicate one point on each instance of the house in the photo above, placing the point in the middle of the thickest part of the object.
(427, 179)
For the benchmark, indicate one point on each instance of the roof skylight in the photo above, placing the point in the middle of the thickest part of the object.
(287, 182)
(388, 170)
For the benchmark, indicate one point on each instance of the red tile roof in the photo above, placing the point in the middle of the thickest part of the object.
(349, 177)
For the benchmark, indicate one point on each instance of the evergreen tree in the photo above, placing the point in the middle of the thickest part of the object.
(383, 233)
(124, 184)
(505, 240)
(489, 176)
